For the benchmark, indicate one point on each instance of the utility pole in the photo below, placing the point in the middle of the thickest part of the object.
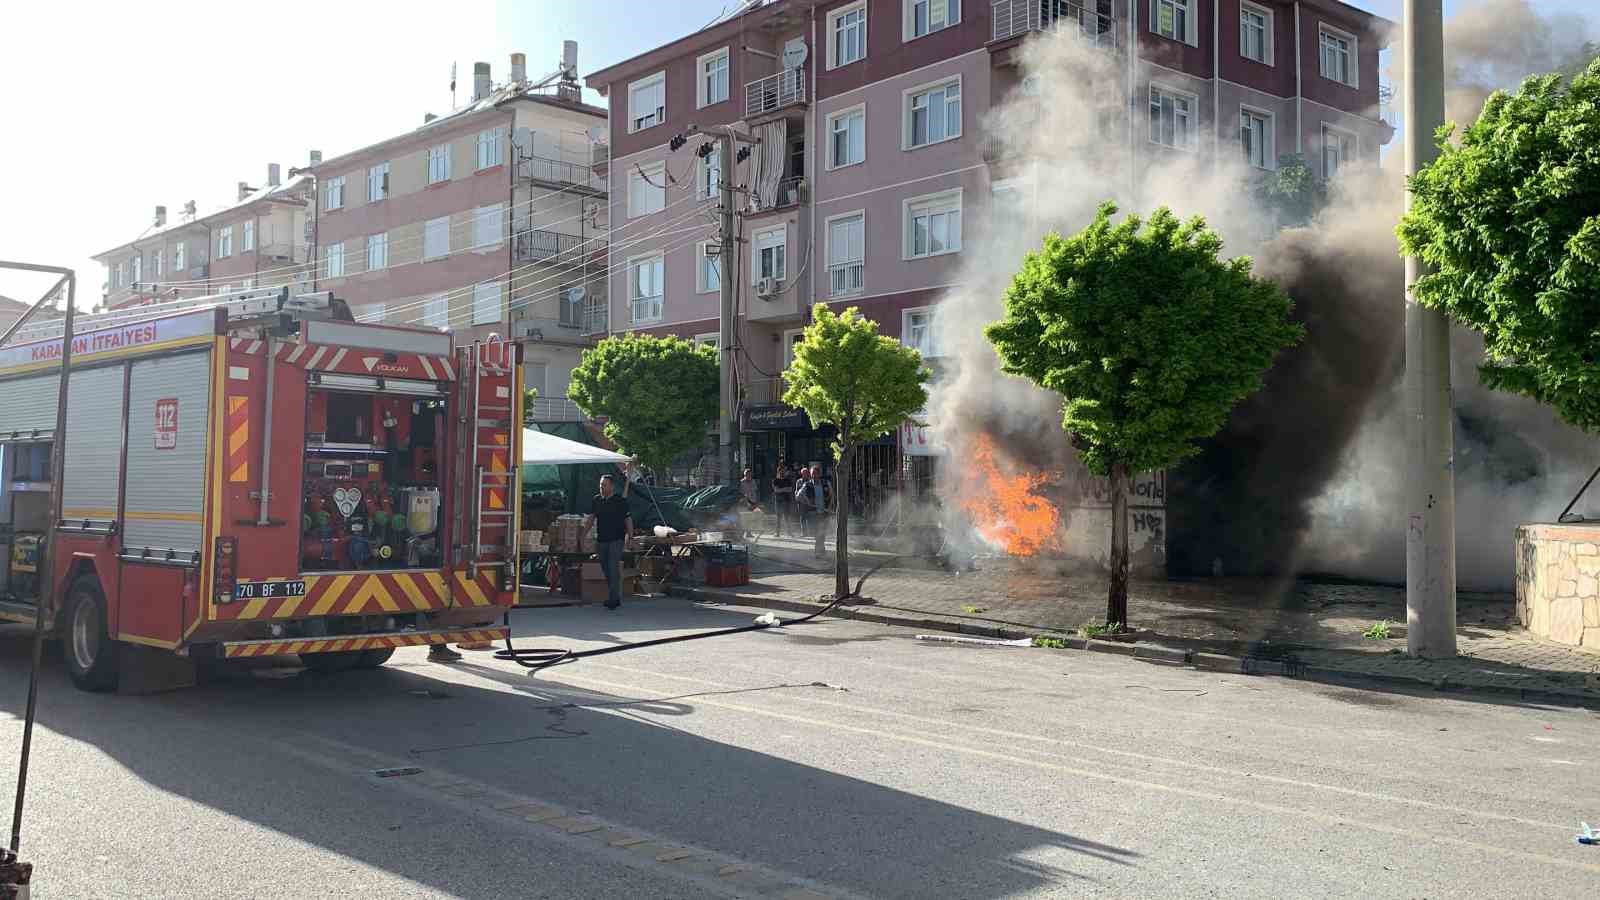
(1430, 485)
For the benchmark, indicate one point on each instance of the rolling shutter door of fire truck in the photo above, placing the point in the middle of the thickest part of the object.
(168, 405)
(94, 445)
(28, 407)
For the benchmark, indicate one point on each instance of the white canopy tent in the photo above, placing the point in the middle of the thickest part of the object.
(543, 449)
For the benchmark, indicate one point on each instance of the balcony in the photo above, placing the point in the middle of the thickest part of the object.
(774, 92)
(558, 248)
(846, 278)
(1016, 18)
(789, 192)
(596, 319)
(560, 173)
(555, 409)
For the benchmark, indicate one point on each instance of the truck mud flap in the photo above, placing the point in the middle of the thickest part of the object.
(355, 642)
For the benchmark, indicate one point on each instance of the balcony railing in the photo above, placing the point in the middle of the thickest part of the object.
(1014, 18)
(789, 192)
(774, 92)
(555, 409)
(596, 318)
(557, 171)
(846, 278)
(538, 245)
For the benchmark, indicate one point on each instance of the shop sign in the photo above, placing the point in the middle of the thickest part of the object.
(775, 417)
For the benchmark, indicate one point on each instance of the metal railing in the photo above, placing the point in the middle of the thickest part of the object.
(1013, 18)
(846, 278)
(645, 310)
(538, 245)
(555, 409)
(790, 192)
(774, 92)
(557, 171)
(596, 318)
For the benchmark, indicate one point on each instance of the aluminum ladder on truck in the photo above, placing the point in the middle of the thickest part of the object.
(244, 308)
(490, 422)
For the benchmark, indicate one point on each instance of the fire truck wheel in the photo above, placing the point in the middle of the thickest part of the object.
(91, 655)
(371, 659)
(329, 662)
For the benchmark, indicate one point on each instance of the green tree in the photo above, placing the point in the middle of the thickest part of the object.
(862, 383)
(1508, 220)
(1293, 191)
(657, 394)
(1150, 338)
(528, 396)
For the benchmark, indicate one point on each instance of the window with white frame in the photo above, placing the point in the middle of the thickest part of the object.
(249, 283)
(155, 259)
(333, 193)
(708, 268)
(713, 84)
(225, 242)
(438, 163)
(377, 182)
(1338, 55)
(491, 148)
(847, 35)
(535, 375)
(709, 177)
(1255, 33)
(177, 258)
(1256, 138)
(1171, 118)
(647, 189)
(486, 302)
(927, 16)
(847, 253)
(138, 268)
(1173, 19)
(933, 114)
(247, 240)
(571, 301)
(769, 248)
(488, 226)
(335, 260)
(1009, 198)
(645, 278)
(710, 339)
(374, 312)
(916, 330)
(436, 238)
(436, 311)
(377, 251)
(1338, 150)
(932, 225)
(647, 102)
(847, 136)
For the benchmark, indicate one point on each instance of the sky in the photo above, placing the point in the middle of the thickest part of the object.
(182, 100)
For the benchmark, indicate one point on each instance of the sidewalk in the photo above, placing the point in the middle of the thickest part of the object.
(1299, 627)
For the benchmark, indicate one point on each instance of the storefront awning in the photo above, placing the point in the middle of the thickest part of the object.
(540, 448)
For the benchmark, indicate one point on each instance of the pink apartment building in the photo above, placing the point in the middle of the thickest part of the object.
(872, 165)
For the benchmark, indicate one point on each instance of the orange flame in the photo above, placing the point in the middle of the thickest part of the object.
(1006, 511)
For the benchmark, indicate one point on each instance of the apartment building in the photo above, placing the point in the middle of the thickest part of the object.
(486, 220)
(872, 166)
(260, 240)
(10, 311)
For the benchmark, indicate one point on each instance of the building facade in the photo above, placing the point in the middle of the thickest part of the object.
(872, 163)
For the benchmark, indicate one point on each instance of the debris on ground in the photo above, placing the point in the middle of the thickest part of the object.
(1589, 836)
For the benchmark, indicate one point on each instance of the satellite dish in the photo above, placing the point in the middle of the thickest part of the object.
(578, 293)
(794, 54)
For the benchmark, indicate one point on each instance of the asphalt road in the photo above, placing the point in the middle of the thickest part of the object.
(846, 759)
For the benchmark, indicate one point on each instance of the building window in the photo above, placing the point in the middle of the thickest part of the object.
(1338, 150)
(488, 226)
(248, 239)
(177, 258)
(645, 277)
(377, 251)
(916, 330)
(1257, 139)
(708, 270)
(847, 35)
(336, 260)
(927, 16)
(647, 102)
(709, 179)
(1173, 19)
(571, 300)
(713, 85)
(1338, 56)
(933, 114)
(377, 182)
(486, 303)
(1171, 118)
(710, 339)
(1255, 33)
(647, 189)
(155, 259)
(225, 243)
(491, 148)
(436, 312)
(847, 136)
(932, 225)
(770, 249)
(333, 194)
(436, 238)
(438, 163)
(847, 253)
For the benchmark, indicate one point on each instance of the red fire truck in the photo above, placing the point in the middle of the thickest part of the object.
(257, 474)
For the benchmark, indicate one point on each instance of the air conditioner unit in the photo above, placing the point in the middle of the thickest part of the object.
(767, 288)
(279, 257)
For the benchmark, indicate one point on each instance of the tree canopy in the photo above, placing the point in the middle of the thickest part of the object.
(1293, 191)
(657, 394)
(1509, 222)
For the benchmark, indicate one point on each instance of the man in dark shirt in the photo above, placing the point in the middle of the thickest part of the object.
(610, 510)
(782, 497)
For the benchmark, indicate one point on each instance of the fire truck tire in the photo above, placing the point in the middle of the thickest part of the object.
(329, 662)
(91, 654)
(372, 659)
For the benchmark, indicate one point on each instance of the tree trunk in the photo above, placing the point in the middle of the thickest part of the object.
(841, 537)
(1117, 602)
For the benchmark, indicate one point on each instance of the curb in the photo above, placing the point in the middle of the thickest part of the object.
(1148, 652)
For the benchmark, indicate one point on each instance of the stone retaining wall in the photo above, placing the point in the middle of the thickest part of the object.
(1558, 583)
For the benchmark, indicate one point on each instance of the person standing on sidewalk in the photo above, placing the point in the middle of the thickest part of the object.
(782, 497)
(804, 491)
(613, 527)
(821, 502)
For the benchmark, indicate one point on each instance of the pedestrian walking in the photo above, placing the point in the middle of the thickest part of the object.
(782, 498)
(747, 487)
(806, 492)
(613, 527)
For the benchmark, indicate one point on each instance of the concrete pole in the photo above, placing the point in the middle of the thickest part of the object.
(1430, 489)
(728, 405)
